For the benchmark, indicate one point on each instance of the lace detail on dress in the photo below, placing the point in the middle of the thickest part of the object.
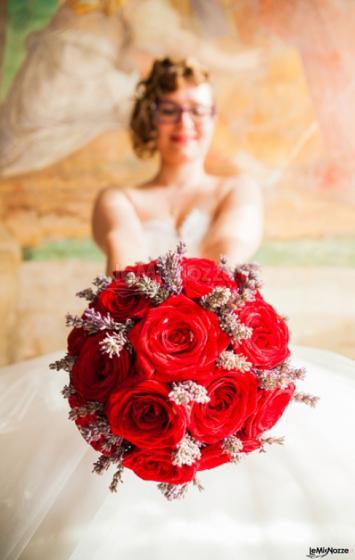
(162, 235)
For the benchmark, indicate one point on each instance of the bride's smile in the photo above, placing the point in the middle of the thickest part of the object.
(185, 120)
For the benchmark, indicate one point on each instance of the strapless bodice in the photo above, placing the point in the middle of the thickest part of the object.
(162, 235)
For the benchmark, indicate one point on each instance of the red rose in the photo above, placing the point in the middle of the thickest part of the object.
(200, 276)
(156, 465)
(269, 408)
(250, 444)
(144, 415)
(94, 374)
(122, 301)
(232, 400)
(178, 340)
(213, 456)
(268, 345)
(76, 340)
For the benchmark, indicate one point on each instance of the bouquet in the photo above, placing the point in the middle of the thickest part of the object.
(177, 365)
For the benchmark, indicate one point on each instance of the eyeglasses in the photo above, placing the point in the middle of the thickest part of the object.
(170, 112)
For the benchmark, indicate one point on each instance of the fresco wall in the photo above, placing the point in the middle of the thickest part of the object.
(284, 86)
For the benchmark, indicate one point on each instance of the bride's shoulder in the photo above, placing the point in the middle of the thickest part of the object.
(111, 197)
(112, 211)
(241, 186)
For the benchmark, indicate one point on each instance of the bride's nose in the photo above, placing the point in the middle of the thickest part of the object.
(186, 120)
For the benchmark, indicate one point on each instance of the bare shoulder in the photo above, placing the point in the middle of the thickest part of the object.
(109, 204)
(112, 211)
(241, 187)
(240, 195)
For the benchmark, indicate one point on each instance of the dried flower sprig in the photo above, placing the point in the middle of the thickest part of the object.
(113, 344)
(247, 276)
(68, 391)
(184, 392)
(173, 491)
(229, 360)
(169, 268)
(178, 491)
(224, 265)
(280, 376)
(93, 322)
(269, 441)
(306, 398)
(73, 321)
(147, 286)
(100, 428)
(187, 451)
(87, 293)
(103, 463)
(65, 364)
(230, 323)
(117, 479)
(101, 282)
(233, 446)
(218, 298)
(90, 407)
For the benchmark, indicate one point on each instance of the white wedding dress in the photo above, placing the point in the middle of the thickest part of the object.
(270, 506)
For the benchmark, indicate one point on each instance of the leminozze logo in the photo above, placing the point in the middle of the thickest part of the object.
(321, 551)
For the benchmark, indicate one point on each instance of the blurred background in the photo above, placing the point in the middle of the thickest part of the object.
(285, 83)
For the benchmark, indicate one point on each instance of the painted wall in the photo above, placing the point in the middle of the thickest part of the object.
(63, 139)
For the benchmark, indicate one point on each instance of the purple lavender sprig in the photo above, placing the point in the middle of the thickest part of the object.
(65, 364)
(229, 360)
(100, 282)
(270, 440)
(169, 268)
(178, 491)
(103, 463)
(279, 376)
(218, 298)
(306, 398)
(90, 407)
(222, 301)
(93, 322)
(233, 446)
(147, 286)
(247, 276)
(224, 265)
(95, 430)
(230, 323)
(68, 391)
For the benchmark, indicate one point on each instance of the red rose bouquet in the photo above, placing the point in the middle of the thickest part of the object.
(176, 366)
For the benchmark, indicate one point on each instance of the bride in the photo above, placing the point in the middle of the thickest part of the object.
(174, 115)
(283, 504)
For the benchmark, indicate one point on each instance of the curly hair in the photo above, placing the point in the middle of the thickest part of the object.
(166, 75)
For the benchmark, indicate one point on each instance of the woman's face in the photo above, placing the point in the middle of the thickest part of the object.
(184, 120)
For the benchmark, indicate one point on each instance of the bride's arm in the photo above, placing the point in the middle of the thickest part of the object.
(117, 230)
(237, 227)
